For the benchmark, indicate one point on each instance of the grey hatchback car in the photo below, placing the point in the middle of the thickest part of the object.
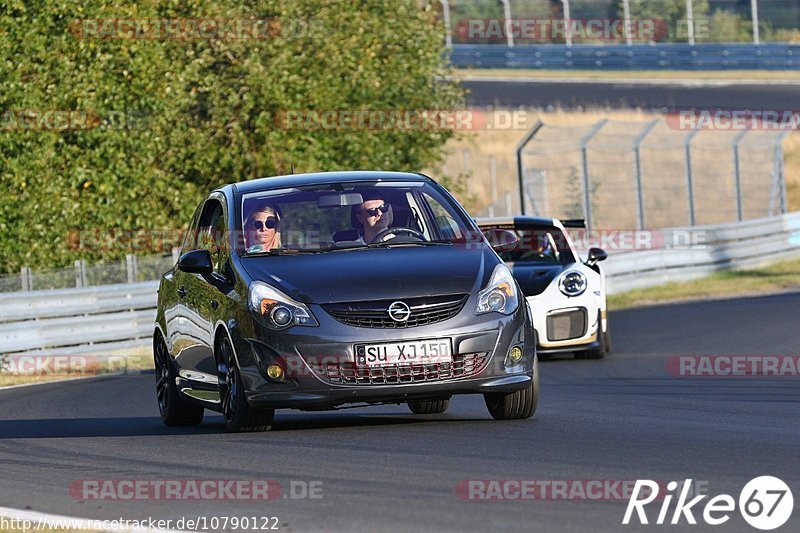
(313, 291)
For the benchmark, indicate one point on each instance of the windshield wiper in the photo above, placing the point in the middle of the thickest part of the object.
(420, 243)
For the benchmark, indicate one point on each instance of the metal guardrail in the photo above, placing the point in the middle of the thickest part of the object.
(636, 57)
(726, 246)
(97, 319)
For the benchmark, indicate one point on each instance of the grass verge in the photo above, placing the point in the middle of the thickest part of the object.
(127, 360)
(779, 277)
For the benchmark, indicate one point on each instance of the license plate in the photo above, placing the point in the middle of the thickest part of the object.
(404, 353)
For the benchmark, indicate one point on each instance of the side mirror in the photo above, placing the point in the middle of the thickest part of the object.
(596, 255)
(501, 240)
(196, 262)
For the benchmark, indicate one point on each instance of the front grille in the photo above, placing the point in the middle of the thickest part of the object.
(562, 326)
(347, 373)
(427, 310)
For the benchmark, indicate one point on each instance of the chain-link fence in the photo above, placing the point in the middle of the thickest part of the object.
(648, 175)
(128, 270)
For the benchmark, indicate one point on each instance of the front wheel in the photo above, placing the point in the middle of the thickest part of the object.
(604, 338)
(175, 411)
(515, 405)
(239, 416)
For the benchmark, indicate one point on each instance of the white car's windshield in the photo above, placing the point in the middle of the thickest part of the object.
(347, 216)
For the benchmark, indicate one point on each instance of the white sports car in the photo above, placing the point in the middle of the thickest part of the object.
(567, 296)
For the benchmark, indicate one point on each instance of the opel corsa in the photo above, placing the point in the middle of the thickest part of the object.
(315, 291)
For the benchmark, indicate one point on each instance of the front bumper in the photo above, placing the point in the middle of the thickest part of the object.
(300, 351)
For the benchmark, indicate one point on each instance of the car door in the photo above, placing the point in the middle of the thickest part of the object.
(208, 291)
(181, 335)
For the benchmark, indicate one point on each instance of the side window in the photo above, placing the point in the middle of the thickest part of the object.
(443, 220)
(212, 233)
(190, 237)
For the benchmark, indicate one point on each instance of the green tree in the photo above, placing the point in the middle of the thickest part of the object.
(177, 117)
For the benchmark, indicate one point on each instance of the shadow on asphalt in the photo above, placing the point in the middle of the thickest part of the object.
(52, 428)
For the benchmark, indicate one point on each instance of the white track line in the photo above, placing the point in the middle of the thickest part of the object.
(50, 521)
(626, 81)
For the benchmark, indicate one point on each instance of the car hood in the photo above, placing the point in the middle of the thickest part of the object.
(375, 274)
(534, 278)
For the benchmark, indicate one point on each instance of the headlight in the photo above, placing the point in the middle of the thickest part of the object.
(500, 295)
(277, 310)
(572, 283)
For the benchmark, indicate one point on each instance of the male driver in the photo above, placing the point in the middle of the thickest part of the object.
(374, 216)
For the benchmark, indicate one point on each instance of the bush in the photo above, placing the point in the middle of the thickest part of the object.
(168, 120)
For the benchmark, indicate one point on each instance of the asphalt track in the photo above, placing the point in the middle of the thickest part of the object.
(382, 468)
(625, 95)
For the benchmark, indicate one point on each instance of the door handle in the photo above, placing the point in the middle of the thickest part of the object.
(182, 292)
(214, 304)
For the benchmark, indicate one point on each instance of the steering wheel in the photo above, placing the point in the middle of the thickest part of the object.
(407, 231)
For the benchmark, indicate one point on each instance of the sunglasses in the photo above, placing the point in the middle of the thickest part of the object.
(374, 212)
(270, 223)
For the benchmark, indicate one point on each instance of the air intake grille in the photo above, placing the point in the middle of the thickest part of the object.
(428, 310)
(347, 373)
(566, 325)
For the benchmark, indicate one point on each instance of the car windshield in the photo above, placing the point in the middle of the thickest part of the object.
(345, 216)
(545, 244)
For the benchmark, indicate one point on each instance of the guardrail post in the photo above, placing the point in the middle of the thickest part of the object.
(509, 209)
(25, 279)
(80, 274)
(637, 169)
(587, 190)
(131, 264)
(737, 182)
(520, 171)
(687, 142)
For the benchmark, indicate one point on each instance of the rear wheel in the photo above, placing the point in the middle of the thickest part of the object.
(239, 416)
(515, 405)
(428, 407)
(175, 411)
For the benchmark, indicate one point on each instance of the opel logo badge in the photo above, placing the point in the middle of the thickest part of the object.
(399, 311)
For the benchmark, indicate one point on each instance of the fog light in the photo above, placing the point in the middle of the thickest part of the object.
(515, 355)
(274, 372)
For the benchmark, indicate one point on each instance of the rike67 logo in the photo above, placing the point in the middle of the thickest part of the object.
(765, 503)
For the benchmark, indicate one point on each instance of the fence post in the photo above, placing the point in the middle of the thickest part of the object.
(780, 177)
(25, 279)
(509, 210)
(176, 254)
(520, 171)
(448, 36)
(465, 157)
(493, 183)
(80, 274)
(687, 142)
(637, 169)
(587, 191)
(737, 181)
(507, 25)
(131, 264)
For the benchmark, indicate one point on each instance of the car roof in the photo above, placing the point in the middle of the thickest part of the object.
(321, 178)
(518, 222)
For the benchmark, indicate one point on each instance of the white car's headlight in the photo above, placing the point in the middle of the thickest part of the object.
(277, 310)
(573, 283)
(500, 295)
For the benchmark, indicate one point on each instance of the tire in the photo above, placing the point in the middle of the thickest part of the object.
(239, 416)
(175, 411)
(428, 407)
(515, 405)
(605, 342)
